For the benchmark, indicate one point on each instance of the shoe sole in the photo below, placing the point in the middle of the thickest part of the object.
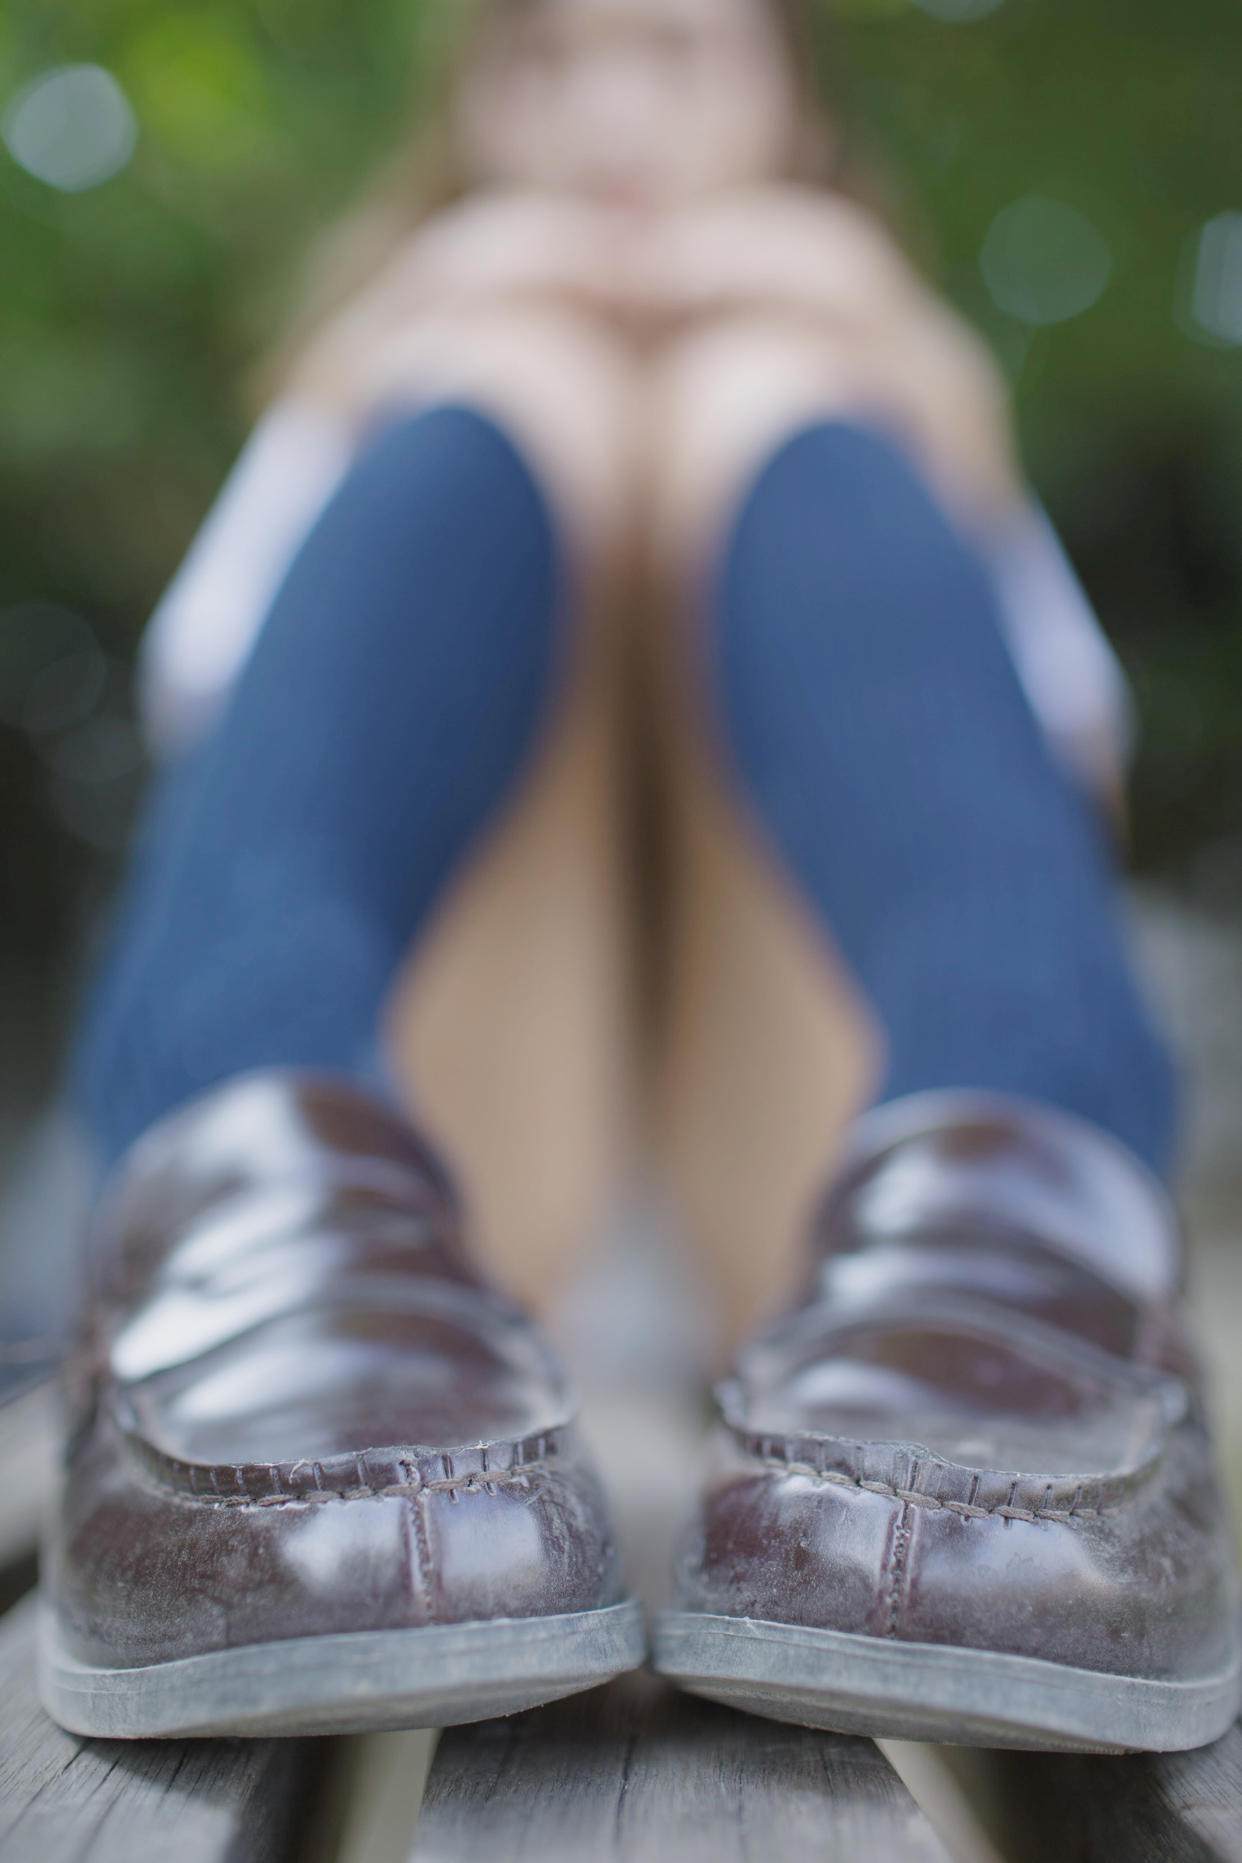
(915, 1691)
(364, 1681)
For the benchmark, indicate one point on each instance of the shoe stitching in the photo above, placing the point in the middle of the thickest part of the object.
(897, 1570)
(1066, 1516)
(490, 1481)
(242, 1484)
(415, 1516)
(474, 1483)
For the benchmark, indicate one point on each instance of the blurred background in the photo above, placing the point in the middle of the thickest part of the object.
(1072, 174)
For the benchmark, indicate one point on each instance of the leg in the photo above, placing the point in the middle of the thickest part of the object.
(394, 698)
(877, 724)
(893, 1544)
(873, 726)
(510, 1022)
(768, 1048)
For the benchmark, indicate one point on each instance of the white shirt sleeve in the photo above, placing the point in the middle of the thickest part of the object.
(208, 619)
(1072, 677)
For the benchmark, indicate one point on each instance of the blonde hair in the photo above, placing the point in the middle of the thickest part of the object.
(426, 174)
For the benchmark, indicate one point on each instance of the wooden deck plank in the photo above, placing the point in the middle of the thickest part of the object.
(636, 1773)
(28, 1439)
(1140, 1808)
(64, 1800)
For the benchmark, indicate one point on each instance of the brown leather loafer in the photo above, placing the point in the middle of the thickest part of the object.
(964, 1491)
(319, 1476)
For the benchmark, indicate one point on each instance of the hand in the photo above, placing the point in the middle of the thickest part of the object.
(786, 249)
(823, 271)
(489, 251)
(505, 247)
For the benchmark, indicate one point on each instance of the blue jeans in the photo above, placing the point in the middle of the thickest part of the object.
(866, 707)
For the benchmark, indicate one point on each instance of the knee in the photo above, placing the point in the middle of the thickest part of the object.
(557, 384)
(724, 400)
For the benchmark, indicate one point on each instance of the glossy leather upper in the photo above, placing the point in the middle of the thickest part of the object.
(294, 1406)
(981, 1423)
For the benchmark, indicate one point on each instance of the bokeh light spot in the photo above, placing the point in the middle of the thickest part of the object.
(62, 694)
(1044, 262)
(71, 127)
(102, 751)
(1216, 280)
(51, 666)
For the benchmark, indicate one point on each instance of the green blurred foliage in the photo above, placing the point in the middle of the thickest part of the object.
(1131, 426)
(132, 313)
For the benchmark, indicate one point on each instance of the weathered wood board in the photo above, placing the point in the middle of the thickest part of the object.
(1140, 1808)
(64, 1800)
(635, 1773)
(28, 1442)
